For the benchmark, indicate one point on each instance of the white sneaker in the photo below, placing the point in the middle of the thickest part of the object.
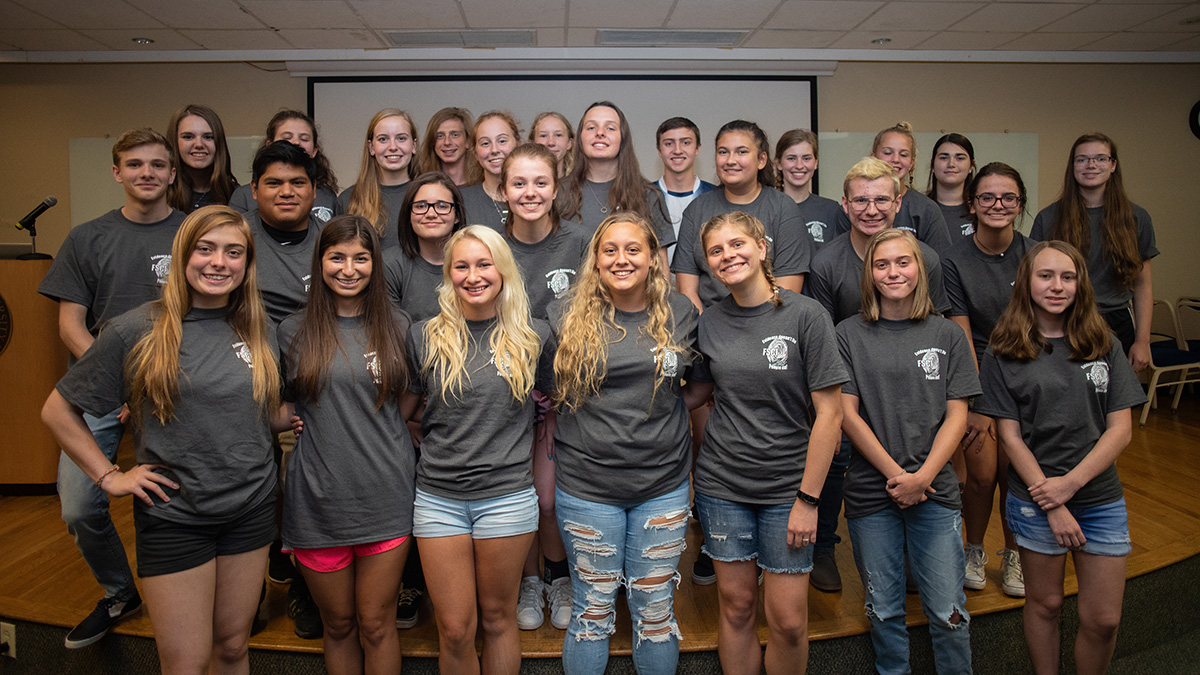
(559, 597)
(1014, 580)
(530, 603)
(976, 577)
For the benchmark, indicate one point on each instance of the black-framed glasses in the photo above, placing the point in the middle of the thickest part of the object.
(1009, 200)
(1100, 160)
(439, 207)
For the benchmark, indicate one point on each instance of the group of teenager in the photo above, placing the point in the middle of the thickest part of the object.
(531, 363)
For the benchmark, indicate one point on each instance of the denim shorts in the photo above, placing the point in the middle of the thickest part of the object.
(504, 516)
(166, 547)
(734, 531)
(1105, 527)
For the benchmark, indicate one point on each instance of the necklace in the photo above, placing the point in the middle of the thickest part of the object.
(984, 248)
(503, 212)
(602, 205)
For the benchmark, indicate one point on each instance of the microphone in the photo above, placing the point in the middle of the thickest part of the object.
(26, 223)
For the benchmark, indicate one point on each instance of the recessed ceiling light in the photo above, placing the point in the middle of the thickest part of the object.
(142, 41)
(881, 41)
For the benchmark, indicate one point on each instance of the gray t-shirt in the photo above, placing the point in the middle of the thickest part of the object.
(111, 265)
(1062, 406)
(393, 199)
(412, 283)
(324, 205)
(551, 266)
(284, 271)
(351, 476)
(594, 208)
(790, 250)
(477, 445)
(217, 447)
(903, 373)
(630, 443)
(960, 224)
(1110, 294)
(819, 217)
(764, 362)
(918, 214)
(979, 285)
(482, 209)
(835, 280)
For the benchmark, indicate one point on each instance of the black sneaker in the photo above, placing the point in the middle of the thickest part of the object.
(408, 608)
(279, 565)
(304, 612)
(703, 573)
(825, 575)
(107, 614)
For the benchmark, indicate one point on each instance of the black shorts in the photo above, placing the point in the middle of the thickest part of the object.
(166, 547)
(1121, 323)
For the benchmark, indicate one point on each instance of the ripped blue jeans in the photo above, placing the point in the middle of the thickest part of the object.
(639, 545)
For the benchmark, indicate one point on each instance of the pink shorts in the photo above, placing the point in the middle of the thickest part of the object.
(337, 558)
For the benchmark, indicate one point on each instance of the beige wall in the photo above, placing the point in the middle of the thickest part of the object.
(1143, 107)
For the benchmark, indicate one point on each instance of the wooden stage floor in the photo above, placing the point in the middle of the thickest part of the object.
(44, 580)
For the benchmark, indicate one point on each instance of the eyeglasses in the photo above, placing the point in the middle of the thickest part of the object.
(881, 203)
(441, 208)
(1008, 200)
(1100, 160)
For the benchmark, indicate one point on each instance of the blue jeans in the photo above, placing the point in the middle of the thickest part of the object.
(638, 544)
(830, 508)
(935, 553)
(85, 511)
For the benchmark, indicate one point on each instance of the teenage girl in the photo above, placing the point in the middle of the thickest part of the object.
(448, 147)
(476, 509)
(796, 164)
(387, 167)
(769, 354)
(197, 368)
(626, 342)
(299, 129)
(347, 512)
(905, 411)
(496, 133)
(434, 208)
(552, 130)
(1116, 236)
(1060, 389)
(202, 157)
(951, 170)
(979, 273)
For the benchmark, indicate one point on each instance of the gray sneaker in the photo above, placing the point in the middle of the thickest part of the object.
(1014, 580)
(976, 577)
(530, 604)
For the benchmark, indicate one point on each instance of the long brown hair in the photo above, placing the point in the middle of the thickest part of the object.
(787, 140)
(404, 229)
(152, 367)
(367, 199)
(325, 177)
(628, 191)
(1118, 227)
(222, 181)
(1016, 335)
(536, 151)
(922, 303)
(316, 342)
(428, 159)
(956, 139)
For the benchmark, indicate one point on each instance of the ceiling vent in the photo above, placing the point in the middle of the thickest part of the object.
(462, 38)
(611, 37)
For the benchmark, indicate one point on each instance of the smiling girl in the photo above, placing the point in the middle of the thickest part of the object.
(553, 130)
(434, 208)
(496, 133)
(796, 163)
(201, 155)
(951, 170)
(386, 168)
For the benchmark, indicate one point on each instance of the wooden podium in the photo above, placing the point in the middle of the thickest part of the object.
(32, 359)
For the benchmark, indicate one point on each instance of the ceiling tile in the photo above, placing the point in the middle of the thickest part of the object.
(821, 15)
(1121, 42)
(792, 39)
(967, 41)
(551, 37)
(581, 37)
(237, 39)
(123, 39)
(49, 40)
(408, 14)
(860, 39)
(1191, 44)
(515, 13)
(618, 13)
(1014, 17)
(13, 16)
(1169, 23)
(1047, 42)
(919, 15)
(720, 14)
(331, 38)
(1098, 18)
(204, 14)
(93, 13)
(305, 14)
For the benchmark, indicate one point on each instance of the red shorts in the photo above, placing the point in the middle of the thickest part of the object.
(337, 558)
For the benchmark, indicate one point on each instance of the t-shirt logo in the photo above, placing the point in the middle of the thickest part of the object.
(968, 229)
(322, 213)
(307, 278)
(930, 361)
(243, 353)
(776, 351)
(503, 364)
(907, 227)
(1097, 374)
(669, 359)
(816, 229)
(373, 366)
(161, 266)
(558, 282)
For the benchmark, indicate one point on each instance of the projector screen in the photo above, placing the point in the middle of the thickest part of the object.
(342, 106)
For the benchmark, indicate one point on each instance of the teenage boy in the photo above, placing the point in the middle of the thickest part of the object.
(105, 268)
(678, 143)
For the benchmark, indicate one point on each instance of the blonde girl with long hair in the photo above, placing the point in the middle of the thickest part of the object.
(198, 371)
(476, 509)
(388, 165)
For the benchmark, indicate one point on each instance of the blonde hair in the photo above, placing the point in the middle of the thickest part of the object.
(922, 304)
(152, 367)
(568, 160)
(513, 342)
(589, 321)
(870, 168)
(366, 199)
(754, 229)
(904, 129)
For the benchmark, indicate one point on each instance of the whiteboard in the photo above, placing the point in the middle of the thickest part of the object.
(342, 106)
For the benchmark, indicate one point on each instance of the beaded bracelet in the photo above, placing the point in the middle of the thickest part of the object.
(104, 475)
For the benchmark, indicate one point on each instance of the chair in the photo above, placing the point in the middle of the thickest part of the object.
(1168, 354)
(1187, 311)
